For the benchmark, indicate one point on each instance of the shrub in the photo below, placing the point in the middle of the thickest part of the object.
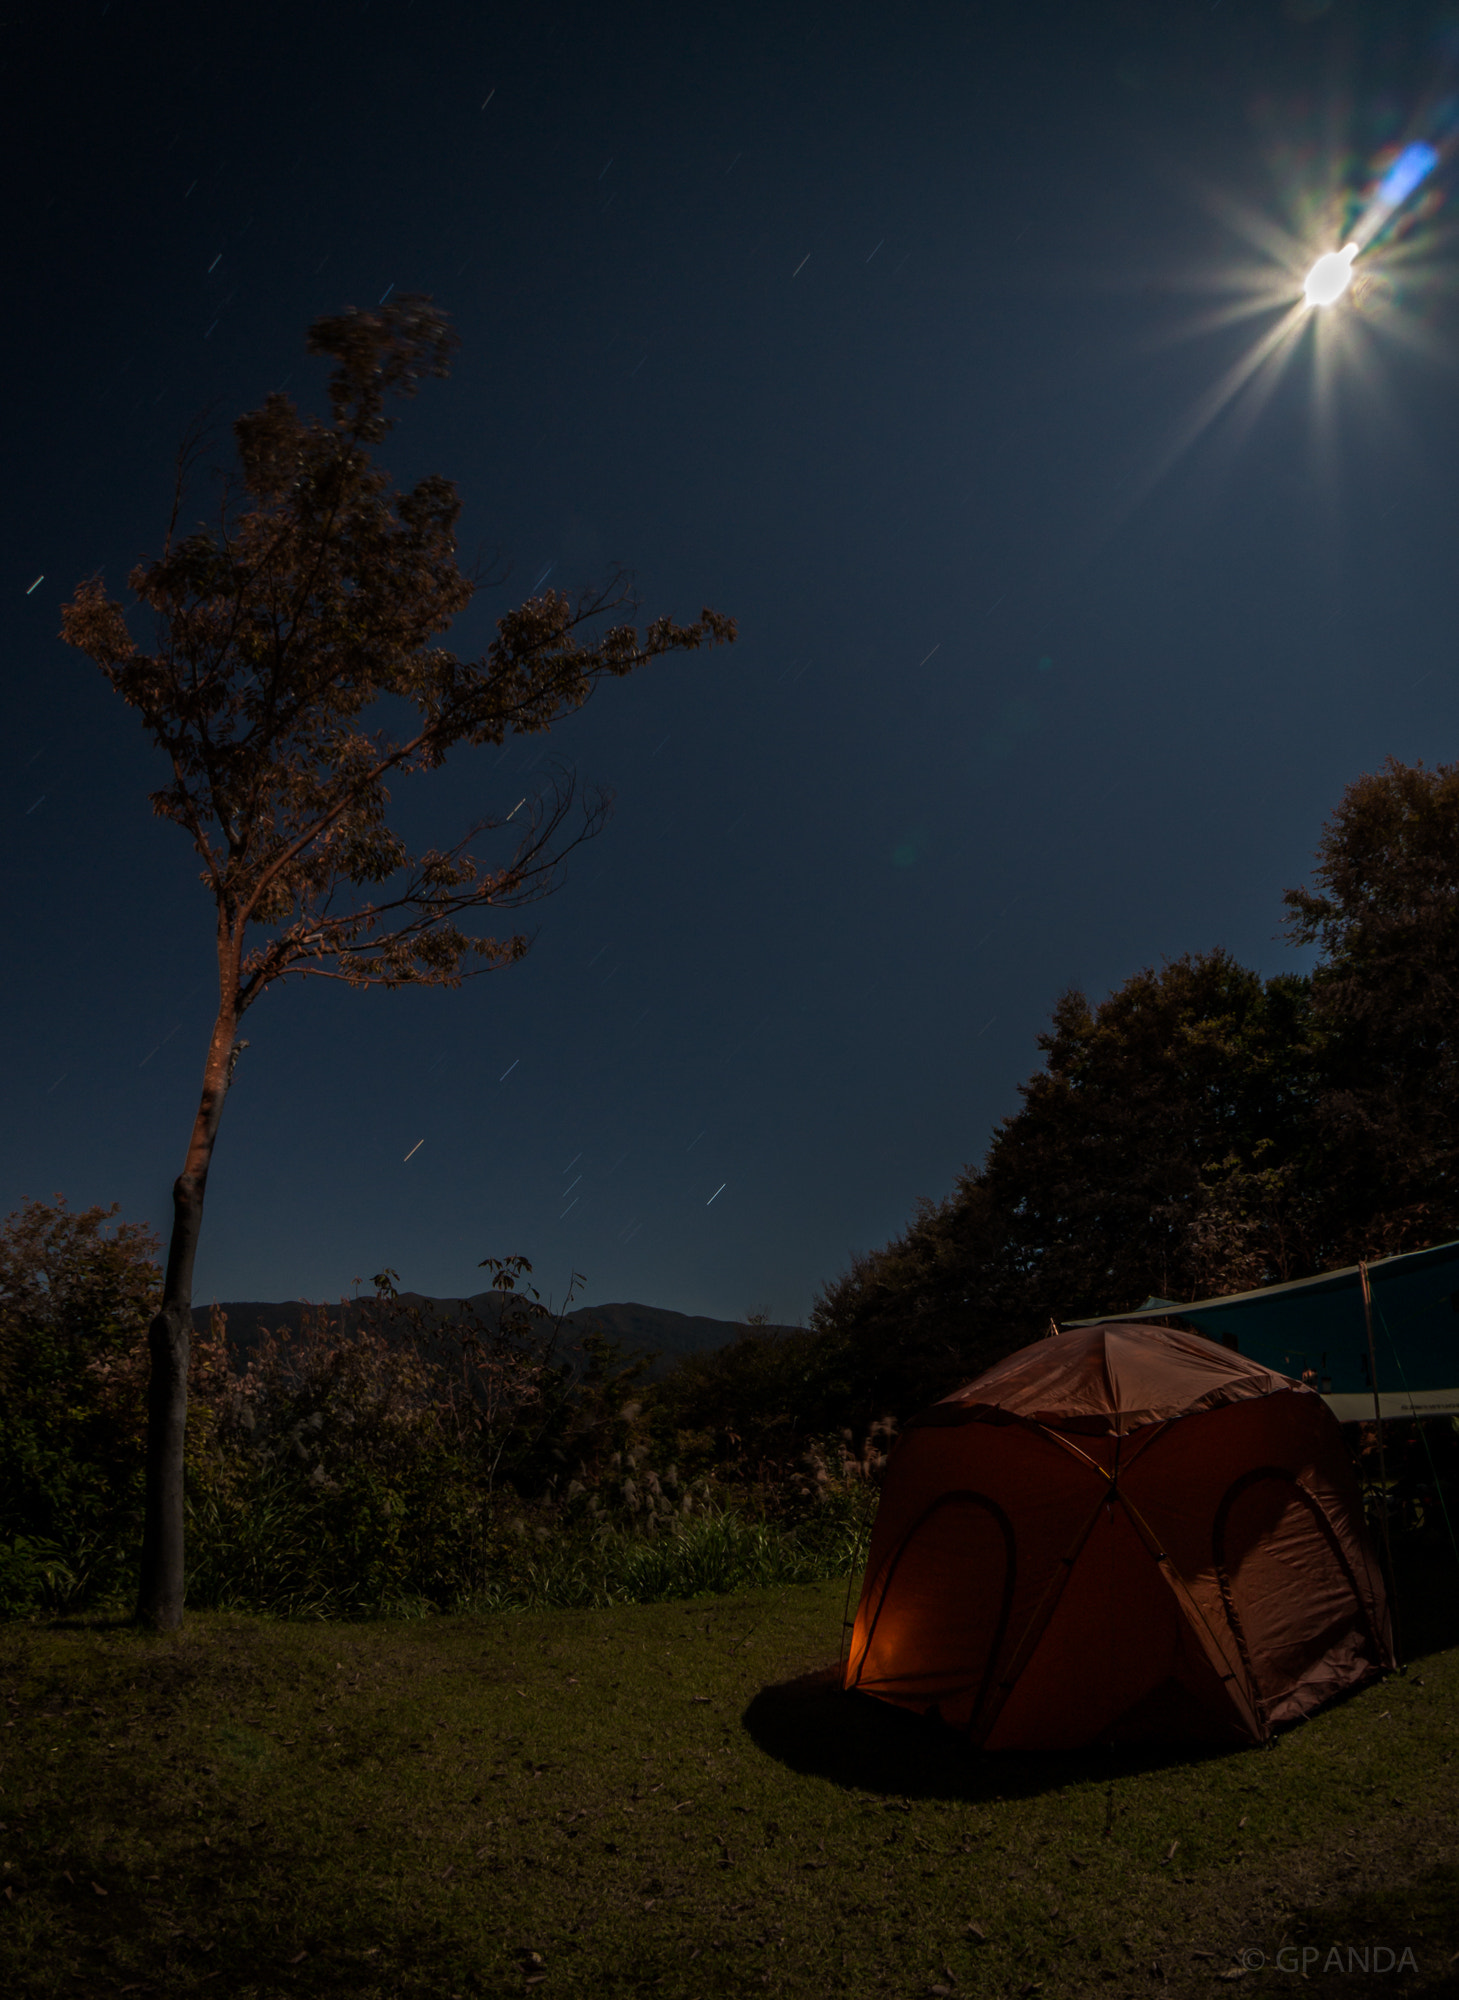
(74, 1308)
(410, 1460)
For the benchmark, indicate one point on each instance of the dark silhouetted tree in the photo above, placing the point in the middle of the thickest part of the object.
(318, 590)
(74, 1304)
(1160, 1147)
(1385, 912)
(1201, 1130)
(1156, 1150)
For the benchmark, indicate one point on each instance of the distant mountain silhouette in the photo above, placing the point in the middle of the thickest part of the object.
(638, 1329)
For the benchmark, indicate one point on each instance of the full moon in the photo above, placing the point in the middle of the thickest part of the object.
(1330, 276)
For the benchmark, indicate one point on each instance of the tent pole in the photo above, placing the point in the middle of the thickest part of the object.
(845, 1622)
(1382, 1461)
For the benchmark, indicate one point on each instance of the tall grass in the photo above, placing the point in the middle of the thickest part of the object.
(282, 1557)
(707, 1555)
(287, 1549)
(275, 1556)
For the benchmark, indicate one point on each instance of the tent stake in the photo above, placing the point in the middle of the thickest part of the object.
(1382, 1461)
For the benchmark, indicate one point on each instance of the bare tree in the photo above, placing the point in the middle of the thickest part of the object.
(317, 590)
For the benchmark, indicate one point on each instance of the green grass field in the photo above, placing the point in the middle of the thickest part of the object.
(633, 1801)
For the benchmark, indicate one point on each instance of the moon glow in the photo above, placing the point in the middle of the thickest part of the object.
(1330, 276)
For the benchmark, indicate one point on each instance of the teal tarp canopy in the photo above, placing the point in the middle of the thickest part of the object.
(1314, 1328)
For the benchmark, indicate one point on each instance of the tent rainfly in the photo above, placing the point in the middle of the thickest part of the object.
(1125, 1534)
(1318, 1328)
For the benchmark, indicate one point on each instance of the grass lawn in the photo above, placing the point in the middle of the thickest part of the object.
(625, 1801)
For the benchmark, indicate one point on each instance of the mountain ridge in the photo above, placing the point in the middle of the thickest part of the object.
(669, 1335)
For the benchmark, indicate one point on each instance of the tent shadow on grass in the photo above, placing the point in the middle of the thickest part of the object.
(810, 1725)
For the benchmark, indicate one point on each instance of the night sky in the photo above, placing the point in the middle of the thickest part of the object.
(898, 333)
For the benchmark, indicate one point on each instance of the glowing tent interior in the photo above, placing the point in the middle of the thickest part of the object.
(1123, 1534)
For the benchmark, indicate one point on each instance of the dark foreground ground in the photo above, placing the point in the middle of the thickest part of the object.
(654, 1800)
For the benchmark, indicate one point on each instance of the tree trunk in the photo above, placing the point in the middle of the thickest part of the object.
(159, 1595)
(160, 1589)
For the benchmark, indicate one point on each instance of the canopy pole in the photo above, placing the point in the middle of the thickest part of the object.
(1423, 1432)
(1382, 1460)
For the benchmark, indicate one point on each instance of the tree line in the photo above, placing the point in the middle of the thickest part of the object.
(1202, 1129)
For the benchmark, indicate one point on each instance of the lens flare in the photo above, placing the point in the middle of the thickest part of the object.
(1380, 210)
(1412, 167)
(1330, 276)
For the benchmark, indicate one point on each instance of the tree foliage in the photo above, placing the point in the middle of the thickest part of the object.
(1157, 1149)
(315, 593)
(1385, 913)
(1131, 1165)
(74, 1307)
(1200, 1130)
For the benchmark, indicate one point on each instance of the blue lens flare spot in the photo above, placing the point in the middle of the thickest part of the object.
(1413, 165)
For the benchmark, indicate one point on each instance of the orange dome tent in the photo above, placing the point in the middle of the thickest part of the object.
(1123, 1534)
